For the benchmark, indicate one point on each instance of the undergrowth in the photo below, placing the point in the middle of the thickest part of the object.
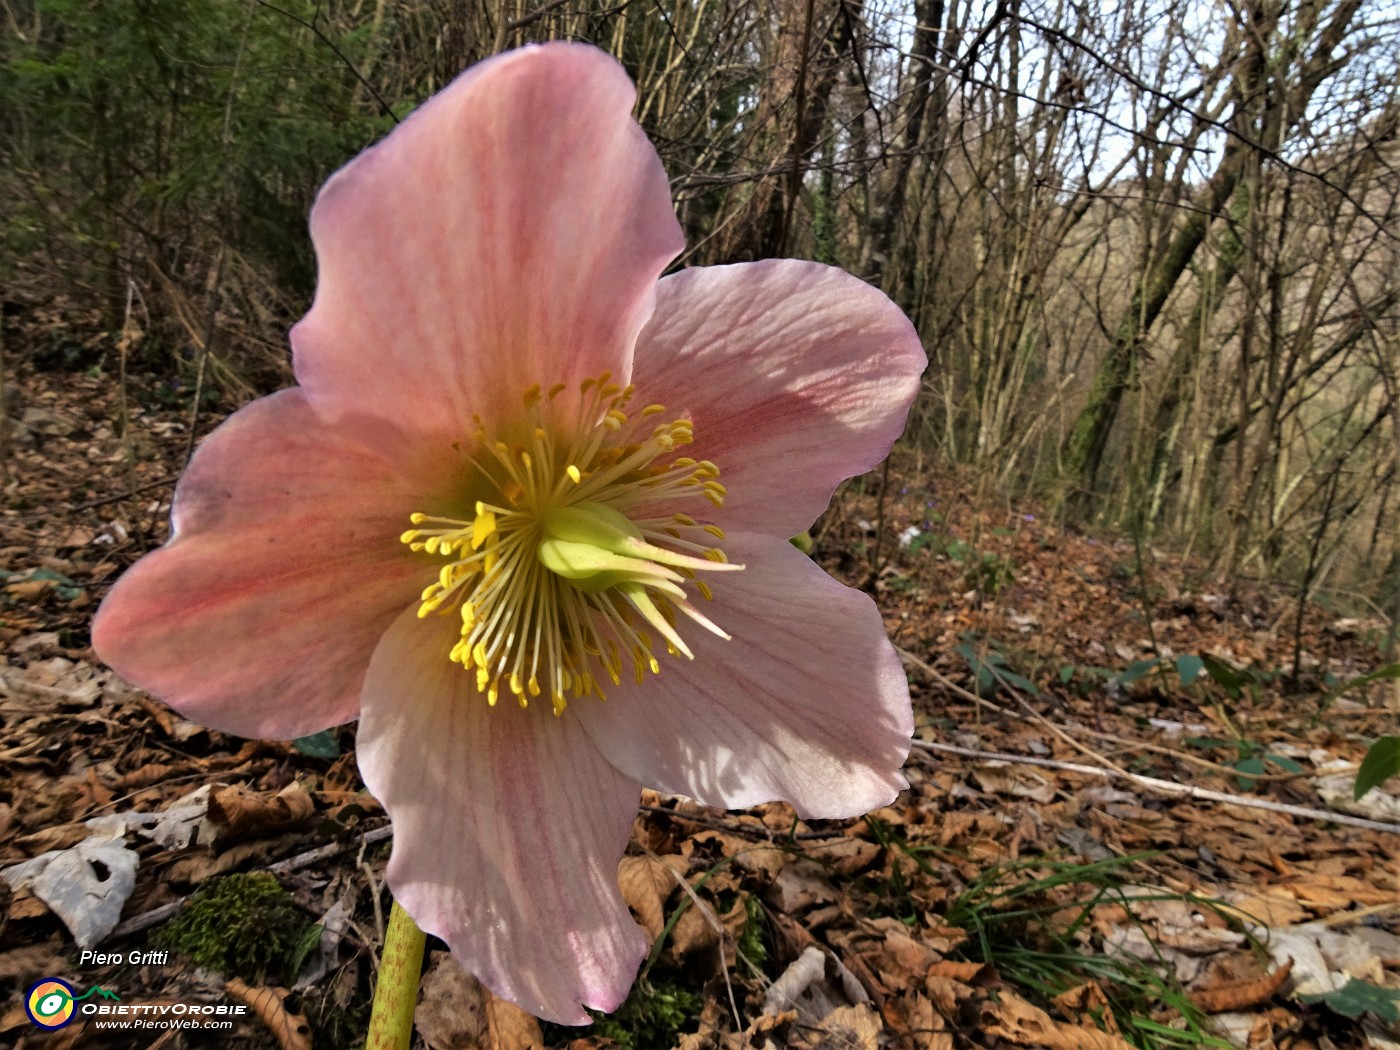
(1029, 919)
(244, 926)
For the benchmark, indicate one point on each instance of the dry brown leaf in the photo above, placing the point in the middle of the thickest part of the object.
(14, 1017)
(757, 858)
(940, 938)
(290, 1030)
(24, 905)
(509, 1027)
(847, 855)
(26, 964)
(145, 776)
(915, 1024)
(456, 1013)
(697, 930)
(905, 957)
(1338, 891)
(1236, 995)
(646, 884)
(55, 836)
(956, 971)
(800, 886)
(855, 1027)
(243, 814)
(946, 994)
(1024, 1024)
(1088, 998)
(1270, 906)
(451, 1012)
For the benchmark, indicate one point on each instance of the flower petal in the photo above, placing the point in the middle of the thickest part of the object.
(508, 828)
(807, 702)
(508, 233)
(796, 375)
(284, 568)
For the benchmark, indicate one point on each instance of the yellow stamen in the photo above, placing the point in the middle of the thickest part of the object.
(556, 581)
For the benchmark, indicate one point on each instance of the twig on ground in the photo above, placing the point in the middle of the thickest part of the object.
(145, 920)
(1140, 745)
(1166, 787)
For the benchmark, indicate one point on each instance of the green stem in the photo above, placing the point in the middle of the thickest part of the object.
(401, 962)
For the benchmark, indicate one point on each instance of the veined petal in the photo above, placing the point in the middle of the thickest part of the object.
(508, 828)
(284, 568)
(807, 702)
(509, 233)
(797, 376)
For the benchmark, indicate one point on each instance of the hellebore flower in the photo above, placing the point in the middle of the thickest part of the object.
(489, 523)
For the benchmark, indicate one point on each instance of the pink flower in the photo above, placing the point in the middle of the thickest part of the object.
(476, 495)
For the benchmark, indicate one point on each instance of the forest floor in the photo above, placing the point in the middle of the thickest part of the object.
(1060, 896)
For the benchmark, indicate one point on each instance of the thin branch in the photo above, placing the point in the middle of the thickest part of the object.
(1165, 787)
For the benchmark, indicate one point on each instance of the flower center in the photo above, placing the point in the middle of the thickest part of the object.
(577, 559)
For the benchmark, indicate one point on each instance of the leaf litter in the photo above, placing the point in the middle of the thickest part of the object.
(994, 904)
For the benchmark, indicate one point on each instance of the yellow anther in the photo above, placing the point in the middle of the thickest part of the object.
(555, 585)
(482, 527)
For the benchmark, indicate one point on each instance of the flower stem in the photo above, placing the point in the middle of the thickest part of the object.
(391, 1016)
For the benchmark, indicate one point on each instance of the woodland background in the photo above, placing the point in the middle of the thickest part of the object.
(1139, 549)
(1151, 245)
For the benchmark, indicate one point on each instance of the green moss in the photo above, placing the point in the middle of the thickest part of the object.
(650, 1019)
(244, 926)
(752, 944)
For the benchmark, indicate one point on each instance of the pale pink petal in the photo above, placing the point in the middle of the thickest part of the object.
(508, 828)
(509, 233)
(259, 616)
(796, 375)
(807, 702)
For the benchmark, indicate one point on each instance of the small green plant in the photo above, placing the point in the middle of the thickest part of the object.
(1251, 760)
(1382, 762)
(752, 944)
(1026, 918)
(244, 926)
(651, 1018)
(1030, 920)
(991, 670)
(1359, 997)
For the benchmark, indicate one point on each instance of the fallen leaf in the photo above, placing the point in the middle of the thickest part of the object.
(855, 1027)
(290, 1030)
(456, 1013)
(509, 1027)
(956, 971)
(1236, 995)
(646, 885)
(242, 814)
(800, 886)
(1024, 1024)
(86, 885)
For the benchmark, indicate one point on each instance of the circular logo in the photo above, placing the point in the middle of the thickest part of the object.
(49, 1003)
